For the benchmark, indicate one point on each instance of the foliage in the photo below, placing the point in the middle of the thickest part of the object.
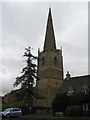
(59, 114)
(60, 102)
(86, 113)
(25, 109)
(27, 78)
(78, 98)
(5, 106)
(88, 99)
(73, 111)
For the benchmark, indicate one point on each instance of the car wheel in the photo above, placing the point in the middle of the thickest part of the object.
(19, 115)
(8, 116)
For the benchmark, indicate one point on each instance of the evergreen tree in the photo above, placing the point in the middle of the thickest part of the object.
(27, 78)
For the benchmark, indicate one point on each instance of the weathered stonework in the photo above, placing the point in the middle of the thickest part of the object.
(50, 68)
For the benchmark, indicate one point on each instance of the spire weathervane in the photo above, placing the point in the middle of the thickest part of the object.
(49, 6)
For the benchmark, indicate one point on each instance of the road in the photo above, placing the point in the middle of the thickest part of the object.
(31, 117)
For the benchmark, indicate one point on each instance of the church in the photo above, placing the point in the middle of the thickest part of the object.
(50, 72)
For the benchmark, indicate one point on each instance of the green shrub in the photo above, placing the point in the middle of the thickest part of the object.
(59, 114)
(25, 109)
(16, 105)
(60, 103)
(86, 113)
(73, 111)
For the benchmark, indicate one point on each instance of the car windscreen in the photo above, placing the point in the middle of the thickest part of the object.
(7, 110)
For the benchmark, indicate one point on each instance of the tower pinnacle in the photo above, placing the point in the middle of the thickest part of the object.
(49, 37)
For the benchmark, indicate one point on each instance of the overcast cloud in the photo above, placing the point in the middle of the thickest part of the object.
(24, 24)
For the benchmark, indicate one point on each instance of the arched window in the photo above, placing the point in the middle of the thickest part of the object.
(55, 61)
(43, 61)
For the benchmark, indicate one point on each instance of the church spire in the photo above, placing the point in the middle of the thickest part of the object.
(49, 37)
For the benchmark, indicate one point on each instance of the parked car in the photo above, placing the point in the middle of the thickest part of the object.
(12, 112)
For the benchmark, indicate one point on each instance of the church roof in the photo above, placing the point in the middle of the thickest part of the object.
(75, 83)
(49, 37)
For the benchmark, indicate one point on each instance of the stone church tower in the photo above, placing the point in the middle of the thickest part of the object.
(50, 68)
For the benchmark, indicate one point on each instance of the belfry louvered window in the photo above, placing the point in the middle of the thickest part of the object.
(55, 61)
(43, 61)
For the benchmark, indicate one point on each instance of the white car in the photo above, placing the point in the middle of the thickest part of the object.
(11, 112)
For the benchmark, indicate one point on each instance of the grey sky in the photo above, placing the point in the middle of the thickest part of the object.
(24, 24)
